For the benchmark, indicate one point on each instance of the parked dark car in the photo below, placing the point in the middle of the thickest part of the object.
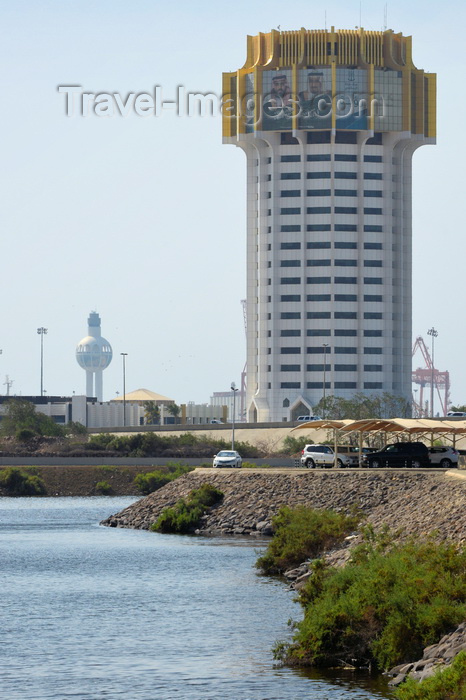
(400, 454)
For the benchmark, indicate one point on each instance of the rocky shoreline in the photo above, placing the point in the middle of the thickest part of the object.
(435, 657)
(418, 503)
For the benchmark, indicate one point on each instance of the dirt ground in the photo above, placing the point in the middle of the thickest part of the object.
(82, 481)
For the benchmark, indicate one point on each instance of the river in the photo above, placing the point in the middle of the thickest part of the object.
(91, 613)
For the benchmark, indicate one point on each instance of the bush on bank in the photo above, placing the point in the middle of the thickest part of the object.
(17, 482)
(151, 481)
(302, 533)
(156, 445)
(446, 684)
(185, 516)
(383, 607)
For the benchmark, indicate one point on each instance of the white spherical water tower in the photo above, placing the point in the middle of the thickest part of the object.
(94, 354)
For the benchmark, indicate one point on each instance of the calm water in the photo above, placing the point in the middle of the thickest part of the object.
(89, 612)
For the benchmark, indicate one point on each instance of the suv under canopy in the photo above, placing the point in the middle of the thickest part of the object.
(324, 456)
(400, 454)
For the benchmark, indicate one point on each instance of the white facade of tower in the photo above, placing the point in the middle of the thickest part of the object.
(329, 238)
(94, 354)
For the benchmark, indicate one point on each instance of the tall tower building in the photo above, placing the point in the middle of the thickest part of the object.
(329, 121)
(94, 354)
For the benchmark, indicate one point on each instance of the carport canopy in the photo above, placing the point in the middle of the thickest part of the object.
(414, 427)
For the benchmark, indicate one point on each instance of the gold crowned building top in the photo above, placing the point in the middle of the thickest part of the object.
(323, 79)
(321, 46)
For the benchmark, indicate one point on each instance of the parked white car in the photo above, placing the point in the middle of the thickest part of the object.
(227, 458)
(323, 456)
(443, 456)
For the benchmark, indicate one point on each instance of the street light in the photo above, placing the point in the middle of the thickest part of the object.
(124, 355)
(325, 346)
(433, 333)
(234, 390)
(42, 331)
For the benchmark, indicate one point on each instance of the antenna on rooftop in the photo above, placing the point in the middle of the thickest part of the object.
(385, 13)
(325, 20)
(360, 13)
(8, 382)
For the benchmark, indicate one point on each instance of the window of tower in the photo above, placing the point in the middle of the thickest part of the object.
(318, 297)
(318, 227)
(346, 227)
(318, 176)
(346, 210)
(318, 314)
(318, 244)
(318, 332)
(346, 193)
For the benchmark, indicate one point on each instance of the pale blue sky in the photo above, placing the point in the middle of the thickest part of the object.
(143, 220)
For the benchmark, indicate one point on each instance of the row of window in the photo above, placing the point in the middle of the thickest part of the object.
(296, 228)
(328, 297)
(327, 193)
(348, 332)
(315, 157)
(326, 175)
(296, 315)
(336, 385)
(337, 368)
(326, 280)
(373, 211)
(315, 245)
(328, 262)
(319, 349)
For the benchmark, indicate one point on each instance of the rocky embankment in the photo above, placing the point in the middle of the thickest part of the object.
(435, 658)
(419, 503)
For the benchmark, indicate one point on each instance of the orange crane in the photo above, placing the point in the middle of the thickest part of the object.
(424, 376)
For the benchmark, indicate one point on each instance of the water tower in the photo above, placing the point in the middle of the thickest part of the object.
(94, 354)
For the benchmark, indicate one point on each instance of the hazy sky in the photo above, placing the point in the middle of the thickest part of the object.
(143, 219)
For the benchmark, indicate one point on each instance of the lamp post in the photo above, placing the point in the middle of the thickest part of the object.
(124, 355)
(325, 346)
(42, 331)
(234, 390)
(433, 333)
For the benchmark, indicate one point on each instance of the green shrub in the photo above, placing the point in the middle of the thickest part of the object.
(74, 428)
(103, 488)
(19, 483)
(446, 684)
(385, 606)
(152, 444)
(25, 435)
(185, 516)
(302, 533)
(151, 481)
(21, 414)
(293, 445)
